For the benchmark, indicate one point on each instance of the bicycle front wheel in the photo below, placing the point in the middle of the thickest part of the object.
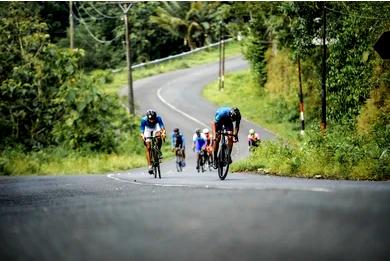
(223, 165)
(156, 164)
(157, 171)
(178, 164)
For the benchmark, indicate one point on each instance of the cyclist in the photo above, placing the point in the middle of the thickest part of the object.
(178, 143)
(253, 139)
(209, 143)
(152, 122)
(199, 144)
(225, 116)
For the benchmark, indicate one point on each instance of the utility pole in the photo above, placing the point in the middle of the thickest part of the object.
(71, 25)
(125, 8)
(323, 92)
(221, 57)
(301, 108)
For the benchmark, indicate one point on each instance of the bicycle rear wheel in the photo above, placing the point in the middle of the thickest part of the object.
(223, 165)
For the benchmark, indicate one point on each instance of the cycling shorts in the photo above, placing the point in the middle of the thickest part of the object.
(228, 126)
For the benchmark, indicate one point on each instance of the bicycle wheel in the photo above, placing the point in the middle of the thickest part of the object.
(157, 171)
(156, 162)
(223, 165)
(198, 162)
(203, 162)
(178, 163)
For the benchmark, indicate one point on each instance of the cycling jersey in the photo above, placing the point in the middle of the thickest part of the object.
(177, 140)
(147, 128)
(146, 124)
(254, 137)
(222, 117)
(199, 142)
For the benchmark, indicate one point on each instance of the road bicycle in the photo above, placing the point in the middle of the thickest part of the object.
(223, 154)
(179, 159)
(201, 161)
(155, 157)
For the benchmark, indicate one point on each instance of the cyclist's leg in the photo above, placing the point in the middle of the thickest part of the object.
(229, 128)
(157, 130)
(148, 144)
(216, 127)
(197, 159)
(183, 157)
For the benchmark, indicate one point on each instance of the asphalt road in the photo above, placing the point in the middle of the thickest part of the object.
(191, 216)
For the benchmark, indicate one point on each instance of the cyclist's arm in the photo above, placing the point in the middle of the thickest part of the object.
(183, 141)
(163, 133)
(214, 128)
(204, 145)
(237, 128)
(173, 139)
(160, 122)
(142, 129)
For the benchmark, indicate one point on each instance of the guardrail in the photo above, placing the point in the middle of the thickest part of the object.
(173, 56)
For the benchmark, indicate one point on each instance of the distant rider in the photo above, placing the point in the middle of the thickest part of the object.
(209, 143)
(253, 139)
(225, 116)
(151, 122)
(199, 144)
(178, 143)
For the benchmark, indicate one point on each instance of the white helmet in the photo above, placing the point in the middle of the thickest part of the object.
(205, 131)
(251, 131)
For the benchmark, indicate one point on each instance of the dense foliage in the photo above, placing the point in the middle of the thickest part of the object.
(45, 100)
(357, 80)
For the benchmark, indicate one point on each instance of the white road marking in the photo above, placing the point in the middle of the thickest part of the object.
(179, 111)
(312, 189)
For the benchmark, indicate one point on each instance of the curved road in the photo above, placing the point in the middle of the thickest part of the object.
(191, 216)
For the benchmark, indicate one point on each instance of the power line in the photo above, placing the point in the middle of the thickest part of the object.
(91, 16)
(100, 13)
(81, 20)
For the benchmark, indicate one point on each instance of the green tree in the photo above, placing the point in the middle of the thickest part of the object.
(190, 21)
(45, 100)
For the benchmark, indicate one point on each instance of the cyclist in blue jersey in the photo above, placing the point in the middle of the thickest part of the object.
(151, 122)
(199, 144)
(225, 116)
(178, 143)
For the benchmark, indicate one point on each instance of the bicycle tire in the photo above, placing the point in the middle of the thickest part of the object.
(156, 163)
(158, 172)
(179, 164)
(223, 165)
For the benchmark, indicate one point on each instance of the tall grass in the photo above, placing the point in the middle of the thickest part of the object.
(62, 161)
(241, 90)
(340, 154)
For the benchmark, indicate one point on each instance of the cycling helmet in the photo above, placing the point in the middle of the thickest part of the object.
(151, 115)
(235, 114)
(197, 131)
(252, 131)
(205, 131)
(176, 130)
